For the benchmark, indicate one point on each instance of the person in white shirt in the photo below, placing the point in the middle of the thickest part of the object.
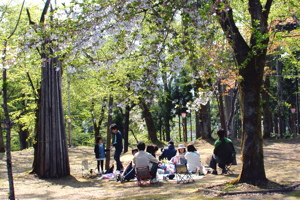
(193, 158)
(142, 159)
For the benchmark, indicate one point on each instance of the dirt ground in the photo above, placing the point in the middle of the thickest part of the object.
(282, 166)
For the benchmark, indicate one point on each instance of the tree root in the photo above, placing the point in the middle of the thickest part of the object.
(222, 193)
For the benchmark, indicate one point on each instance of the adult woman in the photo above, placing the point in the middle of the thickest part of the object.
(179, 158)
(193, 158)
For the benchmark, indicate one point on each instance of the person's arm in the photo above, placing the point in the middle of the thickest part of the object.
(152, 158)
(162, 155)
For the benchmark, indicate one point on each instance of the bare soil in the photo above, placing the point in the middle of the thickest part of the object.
(282, 166)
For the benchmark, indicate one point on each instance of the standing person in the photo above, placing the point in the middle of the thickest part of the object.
(118, 144)
(100, 153)
(142, 159)
(168, 152)
(193, 158)
(224, 153)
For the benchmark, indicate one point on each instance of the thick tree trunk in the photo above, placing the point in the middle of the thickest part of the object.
(23, 135)
(167, 126)
(149, 121)
(51, 149)
(205, 123)
(267, 123)
(252, 146)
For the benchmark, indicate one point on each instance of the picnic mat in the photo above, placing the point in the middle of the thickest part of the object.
(194, 176)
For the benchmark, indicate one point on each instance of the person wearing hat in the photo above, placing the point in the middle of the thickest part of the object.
(179, 158)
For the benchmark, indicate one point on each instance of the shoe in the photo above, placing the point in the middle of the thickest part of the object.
(215, 172)
(154, 180)
(224, 171)
(123, 179)
(119, 177)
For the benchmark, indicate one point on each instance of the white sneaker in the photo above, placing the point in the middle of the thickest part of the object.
(155, 180)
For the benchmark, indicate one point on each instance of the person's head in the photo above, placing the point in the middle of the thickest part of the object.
(98, 140)
(181, 148)
(191, 148)
(221, 133)
(155, 148)
(134, 150)
(150, 149)
(171, 142)
(113, 128)
(141, 146)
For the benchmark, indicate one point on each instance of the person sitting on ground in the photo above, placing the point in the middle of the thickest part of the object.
(100, 153)
(129, 171)
(224, 153)
(168, 152)
(155, 150)
(179, 158)
(150, 149)
(193, 158)
(142, 159)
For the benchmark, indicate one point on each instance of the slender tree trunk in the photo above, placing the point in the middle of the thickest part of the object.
(267, 123)
(8, 133)
(275, 124)
(108, 137)
(179, 128)
(127, 110)
(149, 121)
(2, 148)
(280, 98)
(197, 124)
(221, 108)
(230, 111)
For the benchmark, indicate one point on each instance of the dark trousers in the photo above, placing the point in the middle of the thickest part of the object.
(130, 173)
(153, 170)
(117, 159)
(100, 162)
(213, 162)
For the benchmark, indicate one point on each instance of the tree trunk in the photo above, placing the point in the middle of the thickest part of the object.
(280, 98)
(23, 135)
(179, 128)
(267, 123)
(51, 149)
(8, 133)
(221, 108)
(197, 124)
(2, 148)
(230, 101)
(127, 110)
(149, 121)
(205, 123)
(108, 137)
(167, 126)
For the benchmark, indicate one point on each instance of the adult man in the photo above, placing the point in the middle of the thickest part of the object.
(142, 159)
(168, 152)
(118, 145)
(224, 153)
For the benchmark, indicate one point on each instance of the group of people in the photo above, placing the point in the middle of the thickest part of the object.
(222, 155)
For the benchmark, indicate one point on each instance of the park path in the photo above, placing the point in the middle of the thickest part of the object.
(282, 165)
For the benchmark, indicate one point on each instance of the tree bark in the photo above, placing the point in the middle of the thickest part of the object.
(205, 121)
(108, 137)
(2, 148)
(127, 110)
(280, 98)
(251, 60)
(267, 123)
(149, 121)
(221, 108)
(23, 135)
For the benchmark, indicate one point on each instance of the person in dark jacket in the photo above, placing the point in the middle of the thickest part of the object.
(168, 152)
(224, 153)
(100, 153)
(118, 144)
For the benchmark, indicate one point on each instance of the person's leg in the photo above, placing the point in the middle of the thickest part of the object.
(98, 166)
(102, 161)
(117, 159)
(153, 170)
(130, 174)
(213, 164)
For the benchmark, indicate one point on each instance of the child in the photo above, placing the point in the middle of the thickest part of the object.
(100, 153)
